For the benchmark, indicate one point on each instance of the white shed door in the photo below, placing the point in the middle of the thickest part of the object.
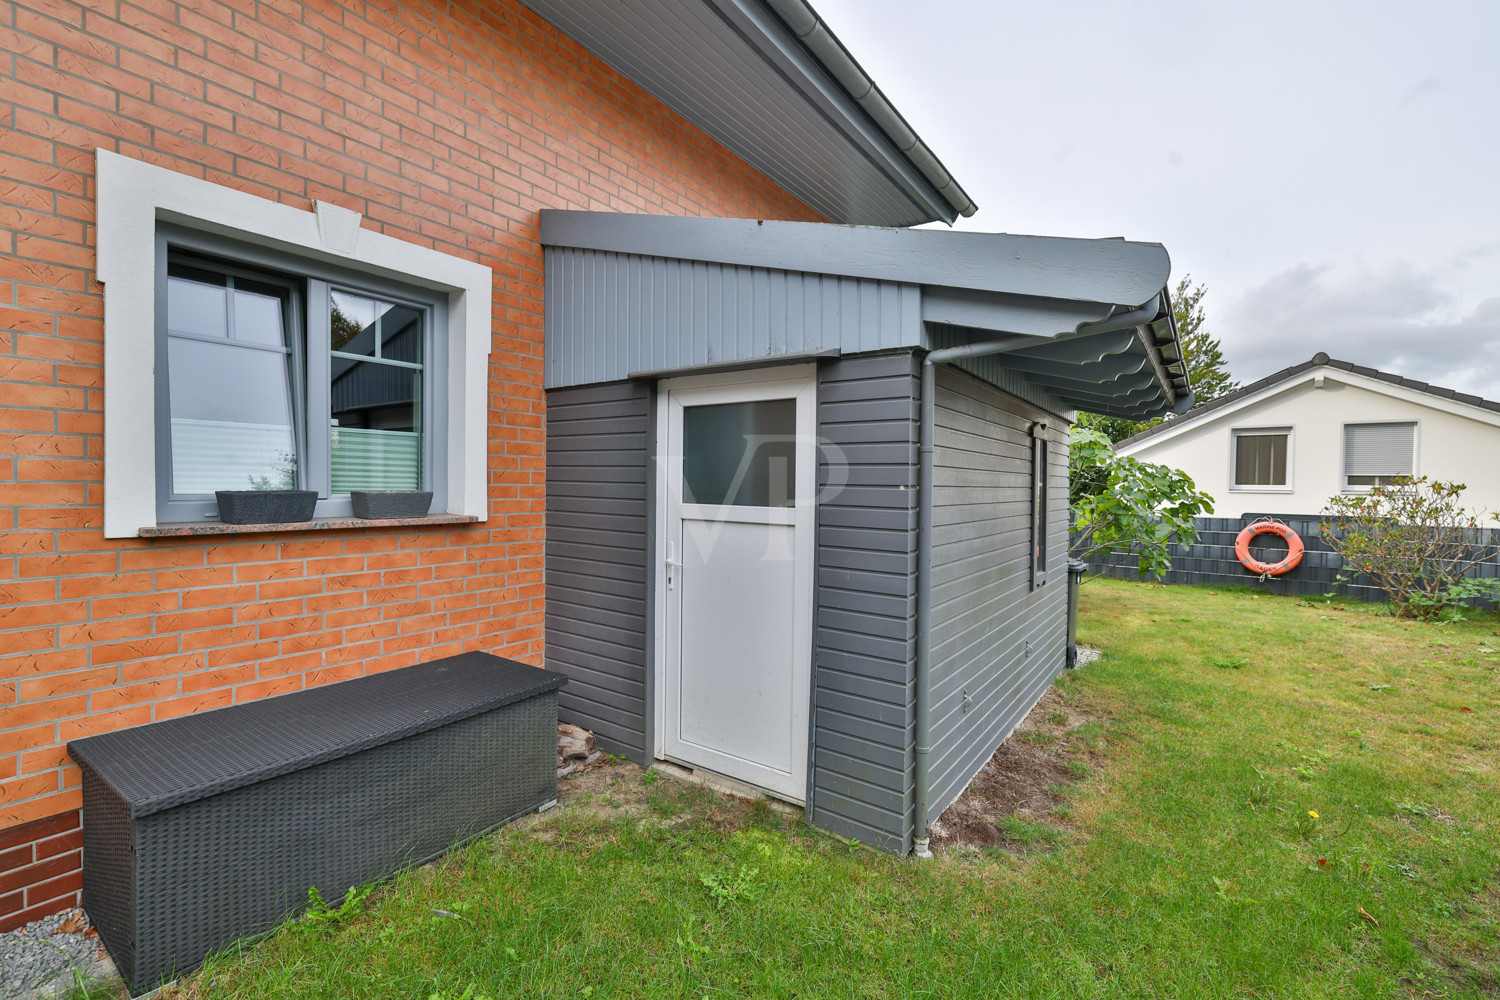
(738, 469)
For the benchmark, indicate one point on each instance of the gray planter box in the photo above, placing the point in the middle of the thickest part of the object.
(203, 830)
(266, 506)
(373, 504)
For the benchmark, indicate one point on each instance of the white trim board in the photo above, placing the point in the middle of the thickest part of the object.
(134, 196)
(1329, 374)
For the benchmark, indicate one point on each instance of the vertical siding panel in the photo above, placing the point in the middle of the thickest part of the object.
(994, 639)
(609, 314)
(864, 647)
(598, 440)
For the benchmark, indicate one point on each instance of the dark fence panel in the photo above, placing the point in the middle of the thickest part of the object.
(1212, 560)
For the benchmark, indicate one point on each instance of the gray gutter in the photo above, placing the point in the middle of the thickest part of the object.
(815, 35)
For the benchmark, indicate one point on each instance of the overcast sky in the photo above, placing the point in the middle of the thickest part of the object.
(1331, 171)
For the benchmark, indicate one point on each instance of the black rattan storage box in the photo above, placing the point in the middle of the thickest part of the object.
(202, 830)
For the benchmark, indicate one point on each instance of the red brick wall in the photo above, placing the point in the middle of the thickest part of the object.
(448, 126)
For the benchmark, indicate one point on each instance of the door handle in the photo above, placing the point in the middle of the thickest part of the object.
(672, 567)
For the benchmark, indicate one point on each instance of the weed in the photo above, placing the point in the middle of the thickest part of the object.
(1412, 809)
(687, 944)
(649, 777)
(471, 992)
(1057, 717)
(320, 915)
(733, 887)
(1077, 769)
(1228, 662)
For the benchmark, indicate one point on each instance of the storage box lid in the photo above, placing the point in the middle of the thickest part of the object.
(165, 764)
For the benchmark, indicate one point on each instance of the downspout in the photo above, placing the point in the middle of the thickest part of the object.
(922, 780)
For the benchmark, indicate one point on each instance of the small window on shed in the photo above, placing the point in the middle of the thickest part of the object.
(1038, 505)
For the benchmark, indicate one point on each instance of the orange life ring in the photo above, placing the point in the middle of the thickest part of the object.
(1293, 548)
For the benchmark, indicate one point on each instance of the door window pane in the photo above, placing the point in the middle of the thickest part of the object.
(375, 401)
(231, 422)
(740, 453)
(1260, 460)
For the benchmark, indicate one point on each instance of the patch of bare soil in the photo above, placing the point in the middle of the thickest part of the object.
(1027, 778)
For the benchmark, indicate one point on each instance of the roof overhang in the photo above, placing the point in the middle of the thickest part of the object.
(768, 80)
(1088, 322)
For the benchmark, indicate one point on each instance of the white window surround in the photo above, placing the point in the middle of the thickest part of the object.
(134, 196)
(1234, 436)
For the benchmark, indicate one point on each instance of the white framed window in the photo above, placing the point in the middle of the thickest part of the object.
(1378, 453)
(249, 340)
(1260, 459)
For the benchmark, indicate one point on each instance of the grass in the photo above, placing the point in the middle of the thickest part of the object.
(1192, 864)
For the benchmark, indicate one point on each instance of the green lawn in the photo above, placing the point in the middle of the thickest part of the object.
(1188, 866)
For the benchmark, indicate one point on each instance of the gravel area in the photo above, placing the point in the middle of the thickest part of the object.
(38, 960)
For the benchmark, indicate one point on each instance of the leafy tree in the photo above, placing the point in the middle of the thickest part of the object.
(1123, 507)
(1415, 539)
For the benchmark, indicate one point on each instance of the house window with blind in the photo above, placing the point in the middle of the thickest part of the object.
(1260, 459)
(1377, 454)
(281, 373)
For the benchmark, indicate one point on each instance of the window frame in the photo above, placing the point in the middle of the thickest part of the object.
(1038, 504)
(310, 283)
(135, 197)
(1416, 449)
(1235, 433)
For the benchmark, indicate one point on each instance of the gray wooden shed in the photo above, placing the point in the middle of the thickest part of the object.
(807, 490)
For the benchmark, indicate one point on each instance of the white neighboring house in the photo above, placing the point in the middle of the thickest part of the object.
(1287, 443)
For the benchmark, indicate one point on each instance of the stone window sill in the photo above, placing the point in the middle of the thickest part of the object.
(316, 524)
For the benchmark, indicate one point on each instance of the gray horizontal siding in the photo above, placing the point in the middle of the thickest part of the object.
(598, 461)
(865, 640)
(609, 315)
(985, 616)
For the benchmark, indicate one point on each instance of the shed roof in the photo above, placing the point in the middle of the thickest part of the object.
(1088, 322)
(770, 81)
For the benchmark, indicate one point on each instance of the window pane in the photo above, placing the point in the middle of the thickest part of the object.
(196, 302)
(376, 441)
(231, 418)
(740, 453)
(258, 314)
(1376, 453)
(353, 322)
(401, 335)
(1260, 460)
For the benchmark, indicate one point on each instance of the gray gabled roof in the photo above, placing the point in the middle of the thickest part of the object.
(1319, 360)
(768, 80)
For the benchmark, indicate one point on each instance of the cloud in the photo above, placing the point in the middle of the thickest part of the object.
(1395, 317)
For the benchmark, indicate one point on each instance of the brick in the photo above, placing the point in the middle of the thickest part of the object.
(103, 722)
(72, 682)
(174, 707)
